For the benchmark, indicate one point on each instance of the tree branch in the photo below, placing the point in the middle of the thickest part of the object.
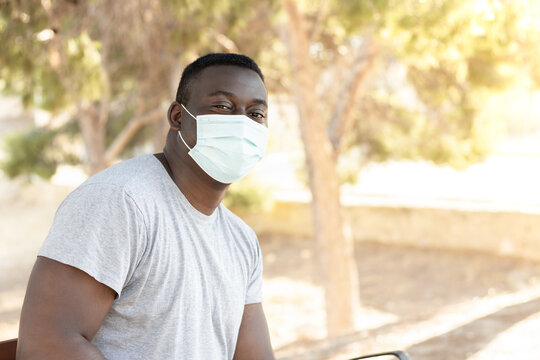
(342, 115)
(105, 99)
(129, 131)
(316, 29)
(226, 42)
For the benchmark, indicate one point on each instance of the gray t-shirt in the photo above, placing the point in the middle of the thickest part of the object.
(182, 277)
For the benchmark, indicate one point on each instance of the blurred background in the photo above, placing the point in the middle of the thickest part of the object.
(398, 204)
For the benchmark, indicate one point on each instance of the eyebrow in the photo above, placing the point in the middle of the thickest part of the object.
(230, 94)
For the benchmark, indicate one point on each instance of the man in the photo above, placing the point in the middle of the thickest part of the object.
(143, 261)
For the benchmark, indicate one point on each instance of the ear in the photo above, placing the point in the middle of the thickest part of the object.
(174, 116)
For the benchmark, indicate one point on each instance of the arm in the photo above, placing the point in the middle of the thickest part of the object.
(253, 338)
(62, 311)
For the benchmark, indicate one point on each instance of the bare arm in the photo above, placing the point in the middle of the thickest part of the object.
(253, 337)
(63, 309)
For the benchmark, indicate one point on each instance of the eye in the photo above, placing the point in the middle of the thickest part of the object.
(258, 117)
(222, 106)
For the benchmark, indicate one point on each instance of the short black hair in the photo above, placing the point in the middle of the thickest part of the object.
(195, 68)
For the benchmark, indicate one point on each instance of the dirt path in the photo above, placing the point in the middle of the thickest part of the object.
(438, 305)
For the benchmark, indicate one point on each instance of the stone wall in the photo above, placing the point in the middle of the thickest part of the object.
(500, 232)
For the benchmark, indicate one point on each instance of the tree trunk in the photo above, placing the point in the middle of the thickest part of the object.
(343, 116)
(335, 249)
(92, 129)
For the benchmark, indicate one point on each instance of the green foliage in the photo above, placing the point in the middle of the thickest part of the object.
(84, 59)
(118, 58)
(248, 26)
(39, 151)
(455, 54)
(29, 155)
(391, 130)
(24, 62)
(245, 196)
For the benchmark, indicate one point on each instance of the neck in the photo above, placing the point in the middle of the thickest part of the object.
(202, 192)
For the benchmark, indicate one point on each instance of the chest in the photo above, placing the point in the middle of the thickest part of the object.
(203, 268)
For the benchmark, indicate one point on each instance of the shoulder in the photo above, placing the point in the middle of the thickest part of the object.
(132, 177)
(126, 185)
(127, 173)
(236, 222)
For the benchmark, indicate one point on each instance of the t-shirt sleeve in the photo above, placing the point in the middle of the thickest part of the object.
(255, 285)
(99, 230)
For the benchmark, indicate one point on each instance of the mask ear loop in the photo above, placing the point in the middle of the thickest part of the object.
(188, 111)
(180, 133)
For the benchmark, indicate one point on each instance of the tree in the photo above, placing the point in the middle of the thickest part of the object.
(80, 57)
(115, 65)
(454, 53)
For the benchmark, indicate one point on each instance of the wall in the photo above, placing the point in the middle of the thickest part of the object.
(495, 231)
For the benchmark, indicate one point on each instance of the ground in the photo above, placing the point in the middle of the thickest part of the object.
(436, 304)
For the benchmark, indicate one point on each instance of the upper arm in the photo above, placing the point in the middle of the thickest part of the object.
(63, 307)
(253, 338)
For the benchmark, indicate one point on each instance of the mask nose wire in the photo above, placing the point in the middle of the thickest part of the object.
(180, 133)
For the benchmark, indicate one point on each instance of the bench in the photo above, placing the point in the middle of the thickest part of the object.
(8, 349)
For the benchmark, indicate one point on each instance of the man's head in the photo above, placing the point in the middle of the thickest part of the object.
(192, 71)
(218, 86)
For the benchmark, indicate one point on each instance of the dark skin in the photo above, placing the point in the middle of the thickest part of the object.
(64, 307)
(237, 91)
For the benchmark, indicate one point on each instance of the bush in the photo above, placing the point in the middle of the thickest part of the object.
(245, 196)
(27, 153)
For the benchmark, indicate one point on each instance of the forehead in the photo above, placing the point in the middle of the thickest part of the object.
(242, 82)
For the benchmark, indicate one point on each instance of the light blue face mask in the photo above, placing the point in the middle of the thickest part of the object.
(228, 146)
